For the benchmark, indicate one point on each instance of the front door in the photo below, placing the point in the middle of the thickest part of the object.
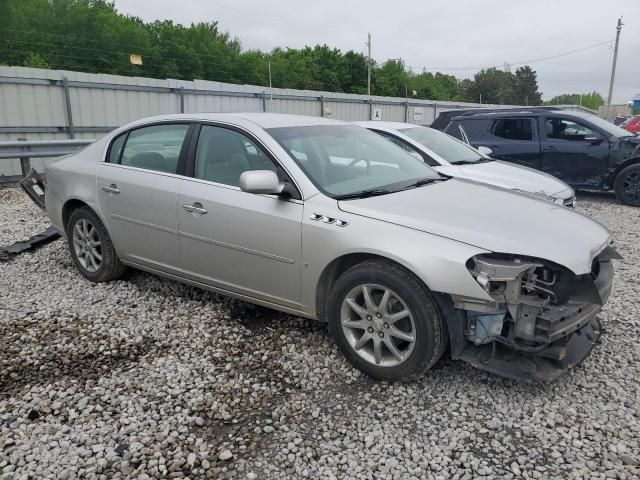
(137, 190)
(574, 152)
(242, 242)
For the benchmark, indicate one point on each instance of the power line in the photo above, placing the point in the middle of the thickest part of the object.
(524, 62)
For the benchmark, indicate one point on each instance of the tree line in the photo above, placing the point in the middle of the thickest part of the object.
(92, 36)
(591, 100)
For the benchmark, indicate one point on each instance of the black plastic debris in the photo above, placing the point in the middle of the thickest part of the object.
(120, 449)
(49, 235)
(33, 414)
(34, 187)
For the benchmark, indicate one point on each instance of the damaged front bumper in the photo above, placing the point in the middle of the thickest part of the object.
(543, 319)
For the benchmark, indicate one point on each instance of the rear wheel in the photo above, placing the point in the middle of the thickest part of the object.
(627, 185)
(91, 248)
(385, 321)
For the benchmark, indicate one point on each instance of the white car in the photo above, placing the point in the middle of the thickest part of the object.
(453, 158)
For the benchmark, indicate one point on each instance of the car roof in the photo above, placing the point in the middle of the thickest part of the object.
(264, 120)
(387, 125)
(523, 113)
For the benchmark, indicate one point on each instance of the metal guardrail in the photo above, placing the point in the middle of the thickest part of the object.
(26, 150)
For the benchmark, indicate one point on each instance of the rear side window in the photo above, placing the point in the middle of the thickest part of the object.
(154, 148)
(513, 128)
(475, 129)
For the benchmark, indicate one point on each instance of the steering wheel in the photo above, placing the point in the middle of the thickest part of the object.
(352, 164)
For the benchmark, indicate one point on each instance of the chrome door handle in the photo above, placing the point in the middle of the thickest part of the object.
(111, 188)
(550, 148)
(195, 208)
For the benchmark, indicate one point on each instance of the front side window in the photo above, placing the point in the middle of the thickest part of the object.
(154, 148)
(513, 128)
(455, 131)
(564, 129)
(405, 146)
(345, 159)
(222, 155)
(444, 145)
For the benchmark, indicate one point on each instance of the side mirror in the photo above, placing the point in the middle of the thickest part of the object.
(261, 182)
(593, 139)
(485, 151)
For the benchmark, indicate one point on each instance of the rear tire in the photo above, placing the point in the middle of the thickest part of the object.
(385, 321)
(91, 248)
(627, 185)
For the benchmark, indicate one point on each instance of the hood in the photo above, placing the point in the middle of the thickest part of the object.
(492, 219)
(512, 177)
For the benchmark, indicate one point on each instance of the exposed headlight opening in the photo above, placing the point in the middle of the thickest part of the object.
(536, 301)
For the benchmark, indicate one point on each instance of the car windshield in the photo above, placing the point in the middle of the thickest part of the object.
(346, 160)
(610, 128)
(444, 145)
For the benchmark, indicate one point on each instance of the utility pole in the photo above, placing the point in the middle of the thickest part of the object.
(270, 87)
(369, 64)
(613, 67)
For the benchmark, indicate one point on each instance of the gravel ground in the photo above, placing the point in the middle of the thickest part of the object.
(147, 378)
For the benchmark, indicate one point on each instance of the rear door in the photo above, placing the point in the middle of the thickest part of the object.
(574, 151)
(514, 140)
(241, 242)
(137, 188)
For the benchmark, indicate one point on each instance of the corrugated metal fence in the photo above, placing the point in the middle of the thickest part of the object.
(38, 104)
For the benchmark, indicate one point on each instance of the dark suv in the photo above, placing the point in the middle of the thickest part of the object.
(585, 151)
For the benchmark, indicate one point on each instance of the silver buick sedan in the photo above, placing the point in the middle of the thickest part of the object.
(327, 220)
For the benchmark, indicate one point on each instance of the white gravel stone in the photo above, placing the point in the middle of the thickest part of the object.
(225, 455)
(148, 378)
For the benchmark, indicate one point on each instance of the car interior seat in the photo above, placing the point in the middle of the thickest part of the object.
(224, 159)
(152, 161)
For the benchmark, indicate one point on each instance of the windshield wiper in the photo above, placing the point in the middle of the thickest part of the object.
(473, 162)
(420, 183)
(363, 194)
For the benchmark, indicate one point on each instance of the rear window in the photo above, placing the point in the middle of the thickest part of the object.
(513, 128)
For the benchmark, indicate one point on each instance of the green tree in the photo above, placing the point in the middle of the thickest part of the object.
(35, 60)
(492, 86)
(92, 36)
(525, 89)
(591, 100)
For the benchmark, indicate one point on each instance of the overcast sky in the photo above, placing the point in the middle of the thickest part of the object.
(445, 35)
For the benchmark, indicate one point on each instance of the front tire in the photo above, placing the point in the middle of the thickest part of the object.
(91, 248)
(385, 321)
(627, 185)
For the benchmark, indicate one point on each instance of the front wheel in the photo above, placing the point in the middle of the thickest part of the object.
(385, 321)
(627, 185)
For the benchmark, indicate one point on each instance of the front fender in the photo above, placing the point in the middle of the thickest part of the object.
(439, 262)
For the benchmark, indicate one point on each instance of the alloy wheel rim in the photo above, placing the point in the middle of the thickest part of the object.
(631, 186)
(378, 325)
(87, 245)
